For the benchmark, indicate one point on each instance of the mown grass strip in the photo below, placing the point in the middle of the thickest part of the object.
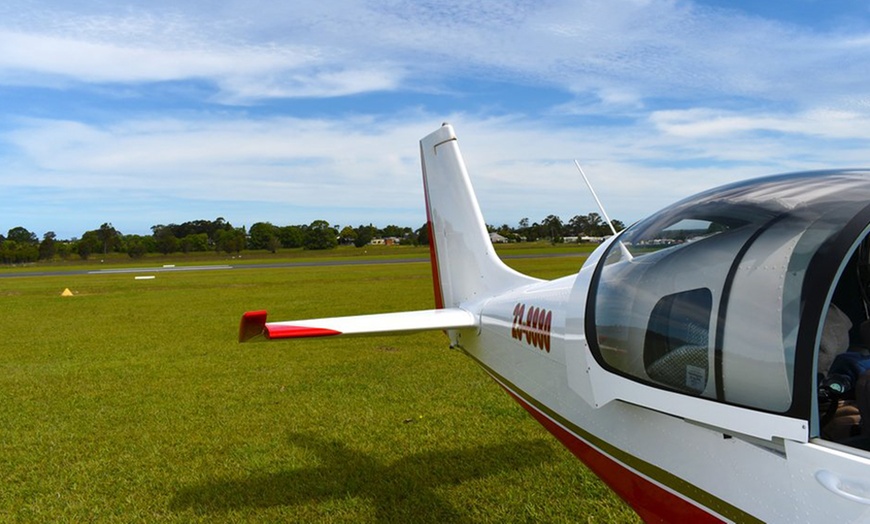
(122, 260)
(131, 401)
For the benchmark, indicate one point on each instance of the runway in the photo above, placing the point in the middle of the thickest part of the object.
(274, 265)
(176, 268)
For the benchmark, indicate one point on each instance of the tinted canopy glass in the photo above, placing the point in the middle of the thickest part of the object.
(707, 296)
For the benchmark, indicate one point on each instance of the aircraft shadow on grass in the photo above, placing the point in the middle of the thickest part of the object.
(403, 491)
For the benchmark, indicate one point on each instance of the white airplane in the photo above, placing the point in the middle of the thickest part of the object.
(683, 362)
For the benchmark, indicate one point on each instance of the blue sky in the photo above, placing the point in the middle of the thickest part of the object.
(152, 113)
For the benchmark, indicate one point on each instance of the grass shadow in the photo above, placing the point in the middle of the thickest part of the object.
(403, 491)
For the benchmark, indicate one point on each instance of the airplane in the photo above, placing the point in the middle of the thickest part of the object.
(706, 362)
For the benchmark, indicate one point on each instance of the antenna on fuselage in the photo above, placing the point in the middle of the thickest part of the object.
(625, 252)
(591, 190)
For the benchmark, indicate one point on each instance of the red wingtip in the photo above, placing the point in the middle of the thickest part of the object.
(253, 325)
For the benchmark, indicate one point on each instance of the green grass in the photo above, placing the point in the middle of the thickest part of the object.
(99, 261)
(132, 402)
(118, 260)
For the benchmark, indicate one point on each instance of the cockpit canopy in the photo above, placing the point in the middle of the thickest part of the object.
(721, 295)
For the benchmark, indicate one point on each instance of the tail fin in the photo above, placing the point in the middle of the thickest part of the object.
(465, 267)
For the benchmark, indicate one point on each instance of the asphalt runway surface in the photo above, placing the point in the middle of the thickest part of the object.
(276, 265)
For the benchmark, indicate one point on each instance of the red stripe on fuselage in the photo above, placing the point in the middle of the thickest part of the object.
(649, 500)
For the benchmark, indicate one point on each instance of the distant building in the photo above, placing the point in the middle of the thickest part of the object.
(387, 241)
(495, 238)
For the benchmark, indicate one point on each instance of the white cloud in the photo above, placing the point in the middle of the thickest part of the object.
(519, 167)
(238, 89)
(623, 50)
(705, 122)
(101, 62)
(233, 159)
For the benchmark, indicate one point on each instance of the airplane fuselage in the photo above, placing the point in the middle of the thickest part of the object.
(690, 363)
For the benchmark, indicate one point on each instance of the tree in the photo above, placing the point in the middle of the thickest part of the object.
(108, 237)
(396, 231)
(216, 226)
(166, 240)
(8, 250)
(552, 228)
(347, 236)
(12, 252)
(291, 236)
(263, 235)
(524, 230)
(423, 234)
(597, 227)
(171, 237)
(320, 235)
(364, 235)
(22, 236)
(48, 246)
(232, 240)
(592, 225)
(64, 249)
(194, 242)
(533, 232)
(579, 225)
(136, 245)
(273, 245)
(89, 243)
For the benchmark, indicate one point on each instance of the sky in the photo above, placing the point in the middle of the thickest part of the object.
(159, 112)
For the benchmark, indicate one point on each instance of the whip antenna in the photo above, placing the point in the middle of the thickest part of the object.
(624, 250)
(591, 190)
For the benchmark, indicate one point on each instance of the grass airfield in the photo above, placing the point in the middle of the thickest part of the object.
(131, 401)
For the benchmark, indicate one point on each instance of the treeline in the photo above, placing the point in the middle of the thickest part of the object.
(23, 246)
(552, 228)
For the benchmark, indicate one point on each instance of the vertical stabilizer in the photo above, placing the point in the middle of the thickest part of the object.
(465, 267)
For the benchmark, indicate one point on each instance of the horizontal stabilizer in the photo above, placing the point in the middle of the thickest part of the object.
(254, 325)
